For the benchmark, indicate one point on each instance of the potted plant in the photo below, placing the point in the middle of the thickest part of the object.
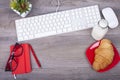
(21, 7)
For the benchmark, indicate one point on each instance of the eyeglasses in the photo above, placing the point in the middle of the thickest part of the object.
(16, 52)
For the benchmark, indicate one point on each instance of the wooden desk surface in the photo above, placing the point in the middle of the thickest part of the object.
(62, 56)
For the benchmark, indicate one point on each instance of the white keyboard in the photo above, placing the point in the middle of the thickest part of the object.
(57, 23)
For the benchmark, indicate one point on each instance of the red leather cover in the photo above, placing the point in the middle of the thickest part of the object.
(24, 61)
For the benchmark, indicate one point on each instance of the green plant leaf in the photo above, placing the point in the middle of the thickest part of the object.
(20, 5)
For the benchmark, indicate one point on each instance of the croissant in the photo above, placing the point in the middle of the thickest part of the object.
(104, 55)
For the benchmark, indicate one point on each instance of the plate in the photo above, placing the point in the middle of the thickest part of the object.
(90, 55)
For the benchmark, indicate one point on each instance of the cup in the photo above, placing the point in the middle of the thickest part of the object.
(100, 30)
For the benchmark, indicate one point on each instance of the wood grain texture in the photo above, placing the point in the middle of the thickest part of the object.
(62, 56)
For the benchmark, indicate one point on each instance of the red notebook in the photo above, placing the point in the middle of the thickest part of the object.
(24, 60)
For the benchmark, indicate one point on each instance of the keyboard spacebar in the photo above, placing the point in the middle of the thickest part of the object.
(44, 34)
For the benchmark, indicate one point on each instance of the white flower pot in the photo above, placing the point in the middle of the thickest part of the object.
(24, 14)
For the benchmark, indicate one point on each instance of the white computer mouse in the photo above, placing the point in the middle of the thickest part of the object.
(111, 17)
